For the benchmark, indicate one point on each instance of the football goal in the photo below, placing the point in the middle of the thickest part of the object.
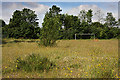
(85, 34)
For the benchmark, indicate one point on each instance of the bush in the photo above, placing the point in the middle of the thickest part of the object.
(34, 63)
(51, 26)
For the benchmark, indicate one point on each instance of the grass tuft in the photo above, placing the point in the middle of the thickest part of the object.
(34, 63)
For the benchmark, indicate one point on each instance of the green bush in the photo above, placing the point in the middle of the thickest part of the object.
(51, 26)
(34, 63)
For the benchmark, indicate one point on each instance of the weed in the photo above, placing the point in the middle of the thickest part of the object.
(34, 63)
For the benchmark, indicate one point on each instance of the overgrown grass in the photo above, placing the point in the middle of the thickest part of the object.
(34, 63)
(73, 59)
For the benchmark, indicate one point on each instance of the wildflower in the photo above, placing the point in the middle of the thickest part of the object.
(113, 70)
(63, 68)
(5, 66)
(17, 61)
(116, 75)
(40, 62)
(8, 76)
(21, 58)
(56, 68)
(16, 65)
(11, 69)
(66, 74)
(68, 68)
(99, 65)
(70, 71)
(86, 72)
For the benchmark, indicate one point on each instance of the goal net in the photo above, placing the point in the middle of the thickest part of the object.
(85, 36)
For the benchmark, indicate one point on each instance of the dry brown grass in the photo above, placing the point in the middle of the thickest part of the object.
(82, 55)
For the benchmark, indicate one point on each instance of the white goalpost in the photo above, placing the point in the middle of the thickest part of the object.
(85, 34)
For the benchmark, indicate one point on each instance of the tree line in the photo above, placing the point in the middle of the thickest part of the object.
(23, 24)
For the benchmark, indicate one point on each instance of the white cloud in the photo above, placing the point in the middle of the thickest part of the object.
(9, 8)
(41, 9)
(94, 8)
(76, 10)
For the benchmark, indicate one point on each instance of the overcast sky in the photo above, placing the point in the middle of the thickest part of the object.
(72, 8)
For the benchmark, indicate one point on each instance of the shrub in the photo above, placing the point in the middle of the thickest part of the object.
(34, 63)
(51, 27)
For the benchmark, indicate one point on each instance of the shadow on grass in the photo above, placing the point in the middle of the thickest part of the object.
(16, 41)
(3, 42)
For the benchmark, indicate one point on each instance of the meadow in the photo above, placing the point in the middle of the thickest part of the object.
(72, 58)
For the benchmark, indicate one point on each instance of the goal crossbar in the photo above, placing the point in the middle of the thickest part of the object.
(85, 34)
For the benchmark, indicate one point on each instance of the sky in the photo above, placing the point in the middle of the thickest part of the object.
(59, 0)
(71, 8)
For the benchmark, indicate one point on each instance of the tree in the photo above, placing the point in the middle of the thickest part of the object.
(26, 15)
(55, 10)
(51, 26)
(99, 15)
(7, 31)
(96, 28)
(110, 20)
(71, 26)
(118, 23)
(85, 27)
(29, 16)
(16, 19)
(26, 30)
(89, 16)
(2, 23)
(71, 21)
(85, 16)
(22, 24)
(82, 16)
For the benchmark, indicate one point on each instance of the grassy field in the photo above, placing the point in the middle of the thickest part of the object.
(72, 58)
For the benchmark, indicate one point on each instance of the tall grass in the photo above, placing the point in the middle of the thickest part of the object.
(34, 63)
(73, 59)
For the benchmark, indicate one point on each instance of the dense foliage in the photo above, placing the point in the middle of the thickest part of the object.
(23, 24)
(51, 27)
(2, 23)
